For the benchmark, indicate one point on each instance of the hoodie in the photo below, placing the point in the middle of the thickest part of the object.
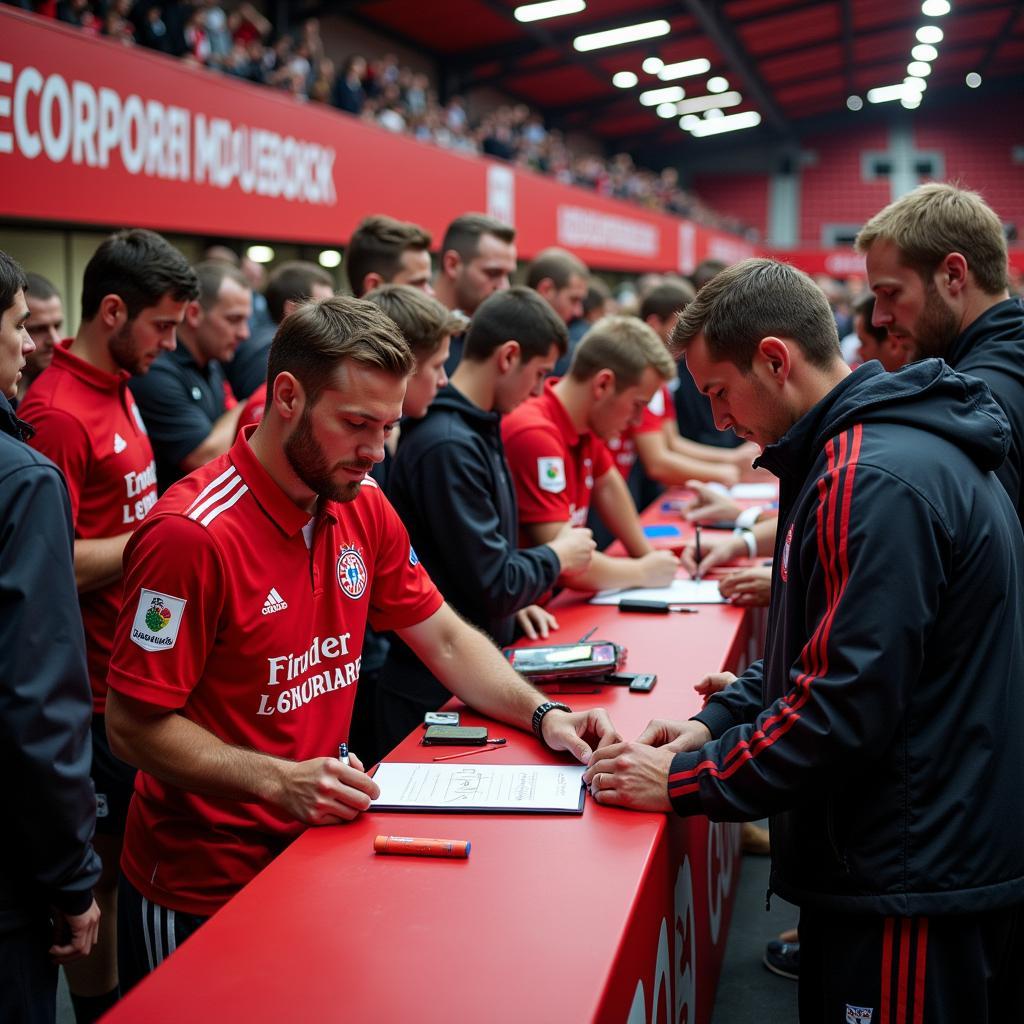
(883, 732)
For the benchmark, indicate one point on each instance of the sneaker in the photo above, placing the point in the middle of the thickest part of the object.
(783, 958)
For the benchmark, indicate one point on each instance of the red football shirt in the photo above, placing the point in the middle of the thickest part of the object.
(553, 465)
(87, 422)
(656, 412)
(247, 617)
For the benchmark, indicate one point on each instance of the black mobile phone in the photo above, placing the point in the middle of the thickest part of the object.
(455, 735)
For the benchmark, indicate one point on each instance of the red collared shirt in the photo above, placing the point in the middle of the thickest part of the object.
(248, 618)
(87, 422)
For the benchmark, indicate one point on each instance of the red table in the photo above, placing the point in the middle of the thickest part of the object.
(612, 916)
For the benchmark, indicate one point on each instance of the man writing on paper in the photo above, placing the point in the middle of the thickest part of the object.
(885, 750)
(237, 653)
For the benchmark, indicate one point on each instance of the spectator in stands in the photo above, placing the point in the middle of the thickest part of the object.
(48, 915)
(561, 280)
(183, 399)
(936, 262)
(383, 250)
(560, 465)
(45, 321)
(349, 94)
(597, 303)
(288, 285)
(466, 532)
(134, 292)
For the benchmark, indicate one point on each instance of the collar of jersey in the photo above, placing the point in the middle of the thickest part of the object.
(290, 519)
(559, 412)
(86, 372)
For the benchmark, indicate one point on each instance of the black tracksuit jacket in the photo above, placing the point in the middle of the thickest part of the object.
(883, 732)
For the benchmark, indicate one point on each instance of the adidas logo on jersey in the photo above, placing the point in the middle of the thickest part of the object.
(119, 444)
(274, 602)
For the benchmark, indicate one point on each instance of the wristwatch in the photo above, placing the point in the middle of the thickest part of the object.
(541, 711)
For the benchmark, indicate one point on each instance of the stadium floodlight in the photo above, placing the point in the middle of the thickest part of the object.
(548, 9)
(727, 123)
(685, 69)
(621, 36)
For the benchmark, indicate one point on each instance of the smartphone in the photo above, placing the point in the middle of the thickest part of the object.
(455, 735)
(564, 662)
(441, 718)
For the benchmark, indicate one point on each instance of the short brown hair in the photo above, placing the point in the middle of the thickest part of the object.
(516, 314)
(423, 321)
(926, 225)
(313, 339)
(211, 274)
(464, 233)
(377, 247)
(624, 345)
(556, 265)
(756, 299)
(293, 282)
(667, 299)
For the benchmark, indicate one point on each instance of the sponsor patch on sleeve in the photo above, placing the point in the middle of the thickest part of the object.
(551, 474)
(157, 620)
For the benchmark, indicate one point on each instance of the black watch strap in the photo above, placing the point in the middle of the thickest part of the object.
(541, 711)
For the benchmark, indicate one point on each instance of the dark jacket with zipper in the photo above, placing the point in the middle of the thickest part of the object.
(883, 732)
(49, 804)
(451, 487)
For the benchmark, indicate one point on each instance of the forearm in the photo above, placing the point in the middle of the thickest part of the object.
(98, 561)
(605, 573)
(675, 468)
(217, 442)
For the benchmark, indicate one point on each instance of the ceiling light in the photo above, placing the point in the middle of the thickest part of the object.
(653, 97)
(713, 113)
(548, 9)
(260, 253)
(929, 34)
(924, 52)
(624, 79)
(619, 36)
(935, 8)
(854, 103)
(666, 110)
(718, 84)
(729, 123)
(915, 84)
(689, 121)
(887, 93)
(329, 258)
(699, 103)
(911, 101)
(973, 79)
(652, 65)
(919, 69)
(685, 69)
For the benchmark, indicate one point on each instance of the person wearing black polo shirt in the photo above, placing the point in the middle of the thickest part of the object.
(183, 398)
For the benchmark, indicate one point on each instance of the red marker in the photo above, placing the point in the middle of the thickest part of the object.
(422, 847)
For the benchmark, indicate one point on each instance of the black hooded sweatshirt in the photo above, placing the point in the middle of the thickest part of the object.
(884, 729)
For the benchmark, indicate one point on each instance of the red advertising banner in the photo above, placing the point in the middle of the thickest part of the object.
(848, 263)
(92, 132)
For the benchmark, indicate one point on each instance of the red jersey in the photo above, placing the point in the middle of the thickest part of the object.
(656, 412)
(247, 617)
(87, 422)
(553, 466)
(252, 413)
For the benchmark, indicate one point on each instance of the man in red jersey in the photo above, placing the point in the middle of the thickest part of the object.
(238, 649)
(134, 294)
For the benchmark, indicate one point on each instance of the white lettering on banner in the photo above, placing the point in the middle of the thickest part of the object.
(85, 124)
(590, 229)
(728, 250)
(501, 193)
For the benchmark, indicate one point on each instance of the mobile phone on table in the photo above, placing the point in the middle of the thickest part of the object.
(455, 735)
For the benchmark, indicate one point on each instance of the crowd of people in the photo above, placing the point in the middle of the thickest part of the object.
(241, 42)
(184, 700)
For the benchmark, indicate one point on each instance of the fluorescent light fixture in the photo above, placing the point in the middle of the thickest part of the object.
(653, 97)
(924, 52)
(718, 84)
(854, 103)
(689, 121)
(260, 253)
(888, 93)
(919, 69)
(973, 79)
(714, 112)
(652, 65)
(329, 258)
(729, 123)
(624, 79)
(548, 9)
(666, 110)
(911, 101)
(700, 103)
(935, 8)
(930, 34)
(620, 36)
(685, 69)
(915, 84)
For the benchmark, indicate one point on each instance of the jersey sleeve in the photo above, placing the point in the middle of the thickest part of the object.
(62, 439)
(175, 423)
(402, 594)
(536, 459)
(174, 593)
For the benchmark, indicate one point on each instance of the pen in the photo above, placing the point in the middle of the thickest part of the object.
(697, 551)
(586, 636)
(475, 750)
(343, 754)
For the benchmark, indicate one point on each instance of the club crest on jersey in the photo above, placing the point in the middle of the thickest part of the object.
(859, 1014)
(551, 474)
(157, 620)
(784, 568)
(351, 573)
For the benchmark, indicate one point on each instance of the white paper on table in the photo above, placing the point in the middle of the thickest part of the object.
(682, 591)
(479, 786)
(754, 492)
